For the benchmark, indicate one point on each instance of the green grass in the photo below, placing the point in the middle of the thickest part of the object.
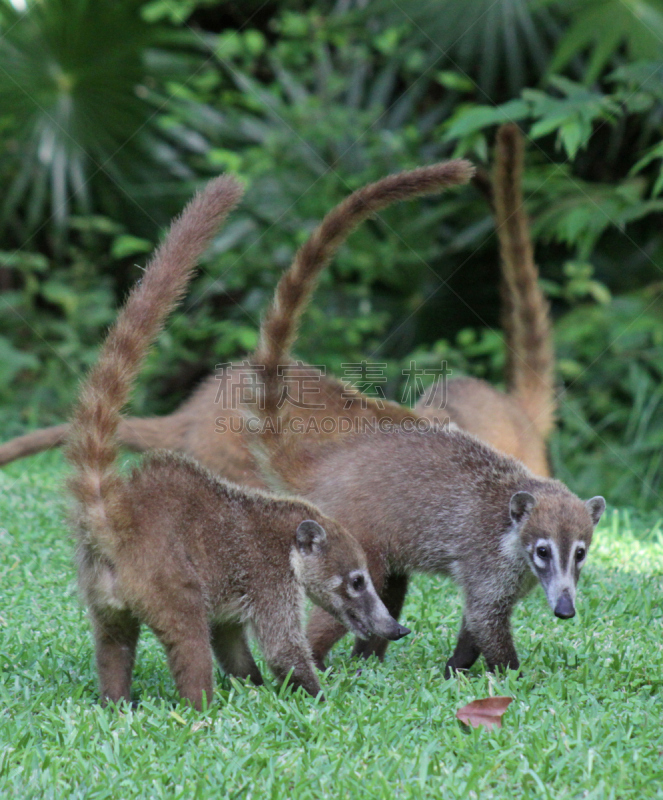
(586, 721)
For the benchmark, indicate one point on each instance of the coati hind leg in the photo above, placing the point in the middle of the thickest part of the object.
(393, 596)
(177, 615)
(232, 651)
(115, 638)
(466, 653)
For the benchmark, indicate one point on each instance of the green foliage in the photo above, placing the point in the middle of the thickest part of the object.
(584, 721)
(611, 358)
(600, 28)
(306, 105)
(83, 125)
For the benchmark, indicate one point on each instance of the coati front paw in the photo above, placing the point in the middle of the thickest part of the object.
(319, 662)
(452, 669)
(502, 667)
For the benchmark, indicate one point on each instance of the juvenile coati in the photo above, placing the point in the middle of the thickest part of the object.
(432, 500)
(197, 559)
(502, 420)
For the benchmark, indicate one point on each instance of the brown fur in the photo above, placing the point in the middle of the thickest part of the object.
(442, 502)
(171, 546)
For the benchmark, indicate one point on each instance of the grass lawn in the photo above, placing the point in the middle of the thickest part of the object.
(586, 721)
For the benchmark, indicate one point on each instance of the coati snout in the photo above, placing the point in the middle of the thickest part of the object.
(556, 544)
(336, 578)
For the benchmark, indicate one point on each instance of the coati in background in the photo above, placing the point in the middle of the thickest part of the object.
(197, 559)
(433, 500)
(516, 423)
(519, 421)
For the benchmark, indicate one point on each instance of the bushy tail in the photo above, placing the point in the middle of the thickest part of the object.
(92, 447)
(525, 311)
(280, 324)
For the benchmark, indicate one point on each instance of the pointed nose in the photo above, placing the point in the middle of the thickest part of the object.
(393, 631)
(402, 631)
(565, 608)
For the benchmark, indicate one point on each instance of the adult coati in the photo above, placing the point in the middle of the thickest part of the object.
(197, 559)
(515, 423)
(431, 500)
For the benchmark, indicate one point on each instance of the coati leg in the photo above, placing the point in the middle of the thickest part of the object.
(490, 627)
(466, 653)
(232, 652)
(393, 596)
(190, 660)
(177, 615)
(115, 640)
(323, 631)
(286, 650)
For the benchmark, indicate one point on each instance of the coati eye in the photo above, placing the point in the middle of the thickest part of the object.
(541, 551)
(580, 553)
(358, 583)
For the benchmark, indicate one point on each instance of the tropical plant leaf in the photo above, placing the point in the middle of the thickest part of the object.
(601, 27)
(82, 128)
(492, 41)
(653, 154)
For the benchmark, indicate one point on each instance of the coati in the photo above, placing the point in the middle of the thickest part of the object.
(501, 420)
(519, 421)
(197, 559)
(441, 501)
(431, 500)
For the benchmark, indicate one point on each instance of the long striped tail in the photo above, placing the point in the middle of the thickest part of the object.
(280, 324)
(92, 447)
(525, 310)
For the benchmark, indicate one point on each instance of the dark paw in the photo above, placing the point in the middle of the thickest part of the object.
(452, 671)
(502, 669)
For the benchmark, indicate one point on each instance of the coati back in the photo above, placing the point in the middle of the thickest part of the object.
(518, 422)
(196, 558)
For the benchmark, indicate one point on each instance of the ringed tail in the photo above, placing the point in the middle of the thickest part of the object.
(92, 446)
(281, 321)
(525, 310)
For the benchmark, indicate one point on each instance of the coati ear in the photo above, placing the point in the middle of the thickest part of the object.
(520, 506)
(310, 537)
(596, 507)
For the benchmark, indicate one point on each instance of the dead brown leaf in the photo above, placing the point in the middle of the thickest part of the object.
(487, 711)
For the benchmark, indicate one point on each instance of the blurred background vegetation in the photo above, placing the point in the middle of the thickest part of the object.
(112, 113)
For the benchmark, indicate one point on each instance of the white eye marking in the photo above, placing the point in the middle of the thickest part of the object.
(358, 582)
